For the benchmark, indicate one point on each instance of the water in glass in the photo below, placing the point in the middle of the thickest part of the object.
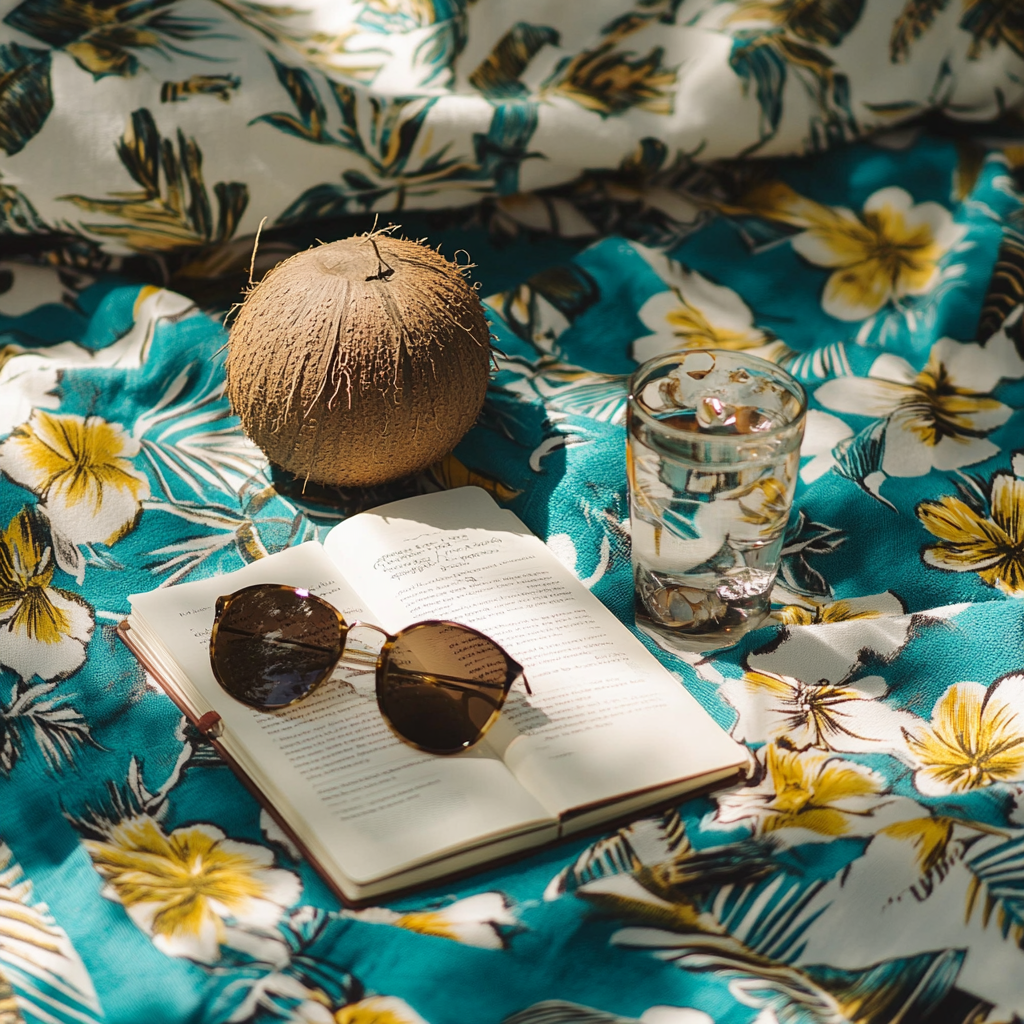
(713, 454)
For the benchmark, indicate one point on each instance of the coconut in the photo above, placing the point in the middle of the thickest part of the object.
(359, 362)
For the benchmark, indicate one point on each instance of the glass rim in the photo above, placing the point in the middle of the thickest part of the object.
(730, 440)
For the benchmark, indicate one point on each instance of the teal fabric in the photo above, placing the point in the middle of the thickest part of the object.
(872, 867)
(596, 166)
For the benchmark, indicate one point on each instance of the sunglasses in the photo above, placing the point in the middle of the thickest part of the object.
(440, 685)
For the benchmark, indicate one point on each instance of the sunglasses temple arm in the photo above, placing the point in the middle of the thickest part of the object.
(522, 675)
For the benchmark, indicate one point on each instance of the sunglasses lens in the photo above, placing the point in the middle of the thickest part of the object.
(442, 685)
(272, 645)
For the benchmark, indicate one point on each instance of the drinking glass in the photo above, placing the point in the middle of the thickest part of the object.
(713, 452)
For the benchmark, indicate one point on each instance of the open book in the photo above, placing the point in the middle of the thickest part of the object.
(607, 732)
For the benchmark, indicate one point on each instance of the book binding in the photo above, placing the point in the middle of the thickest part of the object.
(211, 727)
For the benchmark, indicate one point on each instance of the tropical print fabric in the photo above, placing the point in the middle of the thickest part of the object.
(161, 125)
(870, 869)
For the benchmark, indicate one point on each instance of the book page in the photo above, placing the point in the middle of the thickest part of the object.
(373, 803)
(605, 718)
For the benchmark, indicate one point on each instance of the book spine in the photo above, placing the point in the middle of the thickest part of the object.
(211, 726)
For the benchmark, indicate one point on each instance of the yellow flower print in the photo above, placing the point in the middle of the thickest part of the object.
(889, 251)
(975, 738)
(992, 546)
(832, 611)
(43, 630)
(694, 313)
(935, 838)
(929, 836)
(819, 794)
(765, 504)
(474, 921)
(378, 1010)
(180, 888)
(809, 790)
(804, 611)
(80, 469)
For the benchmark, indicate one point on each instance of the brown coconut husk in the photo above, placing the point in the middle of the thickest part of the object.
(360, 361)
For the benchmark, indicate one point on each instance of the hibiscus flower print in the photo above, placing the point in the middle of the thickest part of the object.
(44, 630)
(809, 795)
(891, 250)
(475, 921)
(936, 418)
(378, 1010)
(975, 738)
(802, 611)
(850, 718)
(992, 544)
(695, 313)
(80, 468)
(765, 504)
(182, 888)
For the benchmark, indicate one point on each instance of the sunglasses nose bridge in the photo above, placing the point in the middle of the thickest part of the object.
(362, 651)
(361, 624)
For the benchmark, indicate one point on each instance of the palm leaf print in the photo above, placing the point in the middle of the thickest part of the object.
(557, 1011)
(437, 53)
(905, 989)
(613, 855)
(993, 22)
(311, 122)
(502, 150)
(17, 214)
(804, 538)
(765, 58)
(387, 16)
(221, 86)
(997, 888)
(822, 22)
(547, 303)
(939, 843)
(25, 96)
(497, 77)
(56, 727)
(913, 21)
(1005, 287)
(328, 51)
(746, 933)
(563, 387)
(172, 210)
(385, 133)
(756, 61)
(859, 459)
(752, 934)
(610, 81)
(36, 956)
(101, 35)
(658, 851)
(9, 1012)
